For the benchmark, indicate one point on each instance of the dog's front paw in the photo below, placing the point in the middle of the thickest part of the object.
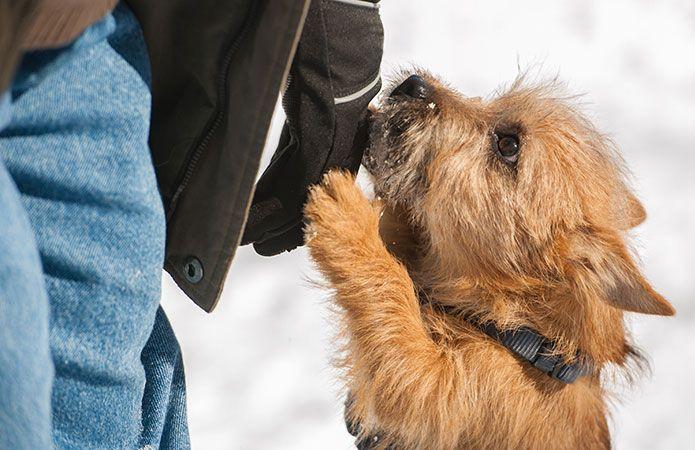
(338, 214)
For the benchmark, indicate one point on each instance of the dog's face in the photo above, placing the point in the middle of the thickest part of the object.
(505, 187)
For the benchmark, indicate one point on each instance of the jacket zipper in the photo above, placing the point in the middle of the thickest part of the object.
(222, 108)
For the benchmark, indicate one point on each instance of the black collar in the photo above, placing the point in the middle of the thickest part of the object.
(534, 348)
(537, 350)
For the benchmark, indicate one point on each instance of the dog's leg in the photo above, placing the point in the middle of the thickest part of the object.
(404, 380)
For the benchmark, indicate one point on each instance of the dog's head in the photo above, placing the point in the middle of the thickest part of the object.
(517, 187)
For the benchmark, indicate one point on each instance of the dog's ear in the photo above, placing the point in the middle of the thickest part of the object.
(630, 210)
(630, 290)
(606, 268)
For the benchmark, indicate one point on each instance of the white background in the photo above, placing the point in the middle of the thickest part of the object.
(258, 368)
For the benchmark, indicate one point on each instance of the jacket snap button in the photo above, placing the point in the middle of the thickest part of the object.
(193, 270)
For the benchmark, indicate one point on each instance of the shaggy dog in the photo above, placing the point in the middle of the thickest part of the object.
(483, 291)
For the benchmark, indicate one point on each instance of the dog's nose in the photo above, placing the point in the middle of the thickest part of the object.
(414, 86)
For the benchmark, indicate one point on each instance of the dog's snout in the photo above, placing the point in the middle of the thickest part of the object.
(414, 87)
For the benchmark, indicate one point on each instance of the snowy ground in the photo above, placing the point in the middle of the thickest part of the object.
(257, 369)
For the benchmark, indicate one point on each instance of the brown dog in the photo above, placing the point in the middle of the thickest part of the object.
(494, 217)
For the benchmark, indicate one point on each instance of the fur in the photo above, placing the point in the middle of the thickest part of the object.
(541, 243)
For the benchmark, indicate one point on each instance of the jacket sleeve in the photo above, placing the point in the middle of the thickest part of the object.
(15, 17)
(334, 75)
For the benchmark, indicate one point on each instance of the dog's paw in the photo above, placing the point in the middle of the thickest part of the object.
(337, 212)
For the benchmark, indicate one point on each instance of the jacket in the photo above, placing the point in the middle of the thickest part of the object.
(218, 67)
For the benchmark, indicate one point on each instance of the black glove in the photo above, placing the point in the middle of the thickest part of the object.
(334, 76)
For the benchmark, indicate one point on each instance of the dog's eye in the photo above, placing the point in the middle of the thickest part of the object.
(507, 146)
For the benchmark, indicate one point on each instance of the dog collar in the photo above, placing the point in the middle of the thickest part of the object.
(533, 348)
(537, 350)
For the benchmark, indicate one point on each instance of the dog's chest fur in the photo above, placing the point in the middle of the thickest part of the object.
(507, 402)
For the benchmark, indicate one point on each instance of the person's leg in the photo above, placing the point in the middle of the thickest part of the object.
(26, 369)
(77, 149)
(5, 108)
(164, 402)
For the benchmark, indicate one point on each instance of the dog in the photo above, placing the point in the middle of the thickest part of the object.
(483, 291)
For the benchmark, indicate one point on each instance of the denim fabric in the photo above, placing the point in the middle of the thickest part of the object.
(26, 368)
(5, 109)
(81, 251)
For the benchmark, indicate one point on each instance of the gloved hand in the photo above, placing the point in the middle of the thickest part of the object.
(334, 76)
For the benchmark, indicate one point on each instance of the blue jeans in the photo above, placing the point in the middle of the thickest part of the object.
(87, 356)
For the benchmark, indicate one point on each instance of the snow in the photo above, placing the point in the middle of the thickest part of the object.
(258, 368)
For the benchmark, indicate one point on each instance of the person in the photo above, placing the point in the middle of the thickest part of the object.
(130, 139)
